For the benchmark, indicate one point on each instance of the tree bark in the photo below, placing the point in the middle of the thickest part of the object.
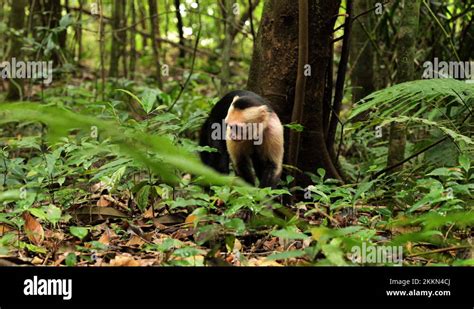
(340, 81)
(143, 15)
(133, 44)
(51, 20)
(17, 19)
(182, 53)
(361, 54)
(405, 72)
(123, 38)
(2, 34)
(154, 25)
(227, 46)
(297, 113)
(274, 69)
(117, 37)
(79, 32)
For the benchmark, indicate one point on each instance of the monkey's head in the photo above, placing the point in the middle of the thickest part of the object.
(246, 118)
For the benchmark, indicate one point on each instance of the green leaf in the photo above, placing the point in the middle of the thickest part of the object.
(135, 144)
(236, 224)
(39, 213)
(465, 162)
(295, 126)
(66, 21)
(10, 195)
(149, 99)
(142, 197)
(32, 248)
(79, 232)
(132, 95)
(113, 181)
(289, 233)
(286, 255)
(53, 214)
(442, 171)
(321, 172)
(361, 189)
(166, 245)
(188, 252)
(71, 259)
(334, 253)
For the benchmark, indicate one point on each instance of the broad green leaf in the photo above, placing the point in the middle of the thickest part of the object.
(71, 259)
(53, 214)
(149, 99)
(134, 144)
(289, 233)
(39, 213)
(236, 224)
(79, 232)
(465, 162)
(10, 195)
(142, 197)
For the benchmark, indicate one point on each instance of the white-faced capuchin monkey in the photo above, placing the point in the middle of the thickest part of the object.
(243, 127)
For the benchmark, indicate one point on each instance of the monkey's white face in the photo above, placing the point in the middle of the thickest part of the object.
(246, 124)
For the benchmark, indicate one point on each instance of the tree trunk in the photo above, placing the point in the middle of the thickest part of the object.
(227, 46)
(79, 32)
(297, 113)
(340, 82)
(274, 69)
(17, 19)
(123, 38)
(2, 34)
(51, 20)
(154, 25)
(182, 53)
(133, 44)
(405, 72)
(362, 55)
(117, 37)
(143, 16)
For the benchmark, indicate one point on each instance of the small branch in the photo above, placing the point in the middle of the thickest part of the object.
(338, 39)
(116, 202)
(183, 87)
(416, 154)
(443, 30)
(300, 88)
(251, 8)
(341, 76)
(368, 11)
(440, 250)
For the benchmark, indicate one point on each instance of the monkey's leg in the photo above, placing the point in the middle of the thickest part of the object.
(268, 175)
(258, 165)
(243, 169)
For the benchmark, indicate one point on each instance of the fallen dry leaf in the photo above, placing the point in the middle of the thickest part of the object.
(190, 220)
(124, 260)
(149, 213)
(262, 262)
(5, 228)
(135, 241)
(102, 212)
(103, 202)
(98, 187)
(33, 229)
(105, 237)
(37, 261)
